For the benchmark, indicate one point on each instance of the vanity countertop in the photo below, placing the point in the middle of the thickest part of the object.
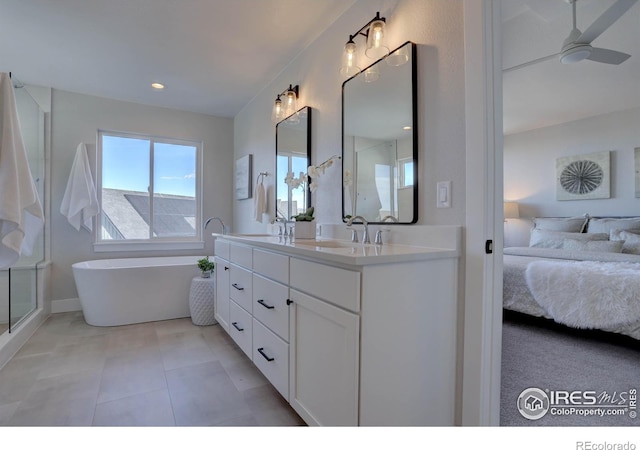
(341, 251)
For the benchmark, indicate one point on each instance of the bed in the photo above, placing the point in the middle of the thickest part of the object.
(580, 272)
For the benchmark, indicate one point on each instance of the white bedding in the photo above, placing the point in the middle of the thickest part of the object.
(518, 296)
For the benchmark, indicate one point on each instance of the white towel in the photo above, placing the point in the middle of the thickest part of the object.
(259, 202)
(80, 202)
(21, 216)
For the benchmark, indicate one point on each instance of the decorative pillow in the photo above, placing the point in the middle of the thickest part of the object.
(566, 224)
(606, 224)
(555, 239)
(630, 238)
(593, 246)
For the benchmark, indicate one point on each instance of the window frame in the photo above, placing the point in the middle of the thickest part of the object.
(151, 243)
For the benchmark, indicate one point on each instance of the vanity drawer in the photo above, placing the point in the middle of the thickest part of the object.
(338, 286)
(271, 356)
(270, 305)
(221, 249)
(240, 286)
(241, 327)
(241, 255)
(271, 265)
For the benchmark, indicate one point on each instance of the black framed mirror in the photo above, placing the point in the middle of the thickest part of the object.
(293, 156)
(380, 139)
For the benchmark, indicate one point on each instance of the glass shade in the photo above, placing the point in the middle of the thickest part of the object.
(278, 111)
(398, 57)
(349, 66)
(290, 103)
(371, 74)
(376, 47)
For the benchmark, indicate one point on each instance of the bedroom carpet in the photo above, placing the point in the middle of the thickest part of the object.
(538, 353)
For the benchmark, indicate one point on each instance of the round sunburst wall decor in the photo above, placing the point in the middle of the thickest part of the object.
(581, 177)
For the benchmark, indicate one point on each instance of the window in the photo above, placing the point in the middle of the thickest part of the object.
(405, 166)
(149, 189)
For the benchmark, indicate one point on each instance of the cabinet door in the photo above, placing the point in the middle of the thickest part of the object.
(222, 292)
(324, 361)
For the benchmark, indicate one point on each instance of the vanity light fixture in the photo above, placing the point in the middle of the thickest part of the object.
(376, 47)
(286, 105)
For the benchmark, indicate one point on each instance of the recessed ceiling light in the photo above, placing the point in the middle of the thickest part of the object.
(407, 128)
(158, 86)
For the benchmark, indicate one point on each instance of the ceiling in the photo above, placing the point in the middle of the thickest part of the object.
(213, 56)
(549, 92)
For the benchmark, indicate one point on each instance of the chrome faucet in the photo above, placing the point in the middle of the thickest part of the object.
(378, 238)
(284, 225)
(365, 233)
(224, 227)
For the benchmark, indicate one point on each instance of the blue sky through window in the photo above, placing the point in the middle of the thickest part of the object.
(125, 166)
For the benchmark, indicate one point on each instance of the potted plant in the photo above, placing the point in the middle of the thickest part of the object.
(206, 267)
(305, 228)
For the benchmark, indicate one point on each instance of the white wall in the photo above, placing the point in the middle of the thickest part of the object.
(530, 174)
(76, 118)
(437, 27)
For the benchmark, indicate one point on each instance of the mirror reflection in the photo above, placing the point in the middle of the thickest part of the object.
(380, 140)
(293, 156)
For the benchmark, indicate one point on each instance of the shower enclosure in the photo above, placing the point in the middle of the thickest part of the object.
(19, 283)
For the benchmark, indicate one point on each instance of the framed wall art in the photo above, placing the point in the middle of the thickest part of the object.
(636, 168)
(583, 177)
(243, 177)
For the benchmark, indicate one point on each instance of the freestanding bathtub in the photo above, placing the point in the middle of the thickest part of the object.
(134, 290)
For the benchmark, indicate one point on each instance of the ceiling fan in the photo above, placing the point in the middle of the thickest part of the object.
(577, 46)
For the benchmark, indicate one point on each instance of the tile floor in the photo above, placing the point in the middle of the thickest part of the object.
(169, 373)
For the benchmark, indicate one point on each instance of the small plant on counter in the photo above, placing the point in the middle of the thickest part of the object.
(306, 216)
(206, 266)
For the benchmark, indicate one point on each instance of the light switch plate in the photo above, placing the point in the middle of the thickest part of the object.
(443, 194)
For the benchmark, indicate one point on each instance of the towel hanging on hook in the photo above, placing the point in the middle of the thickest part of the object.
(260, 198)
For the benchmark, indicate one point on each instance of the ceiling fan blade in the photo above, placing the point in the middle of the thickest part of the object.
(529, 63)
(606, 56)
(605, 20)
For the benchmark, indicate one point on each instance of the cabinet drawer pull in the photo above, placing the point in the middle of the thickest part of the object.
(289, 301)
(235, 285)
(235, 324)
(265, 305)
(261, 351)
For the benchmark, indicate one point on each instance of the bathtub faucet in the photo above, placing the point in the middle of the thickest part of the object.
(224, 227)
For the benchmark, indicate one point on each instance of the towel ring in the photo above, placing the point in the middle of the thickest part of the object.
(262, 174)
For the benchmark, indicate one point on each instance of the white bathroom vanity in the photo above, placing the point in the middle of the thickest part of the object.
(349, 334)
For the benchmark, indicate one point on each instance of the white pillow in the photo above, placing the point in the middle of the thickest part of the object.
(593, 246)
(630, 238)
(555, 239)
(606, 224)
(566, 224)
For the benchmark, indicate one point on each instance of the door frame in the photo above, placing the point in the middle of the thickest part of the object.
(484, 191)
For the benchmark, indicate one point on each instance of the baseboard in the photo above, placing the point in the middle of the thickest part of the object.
(65, 305)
